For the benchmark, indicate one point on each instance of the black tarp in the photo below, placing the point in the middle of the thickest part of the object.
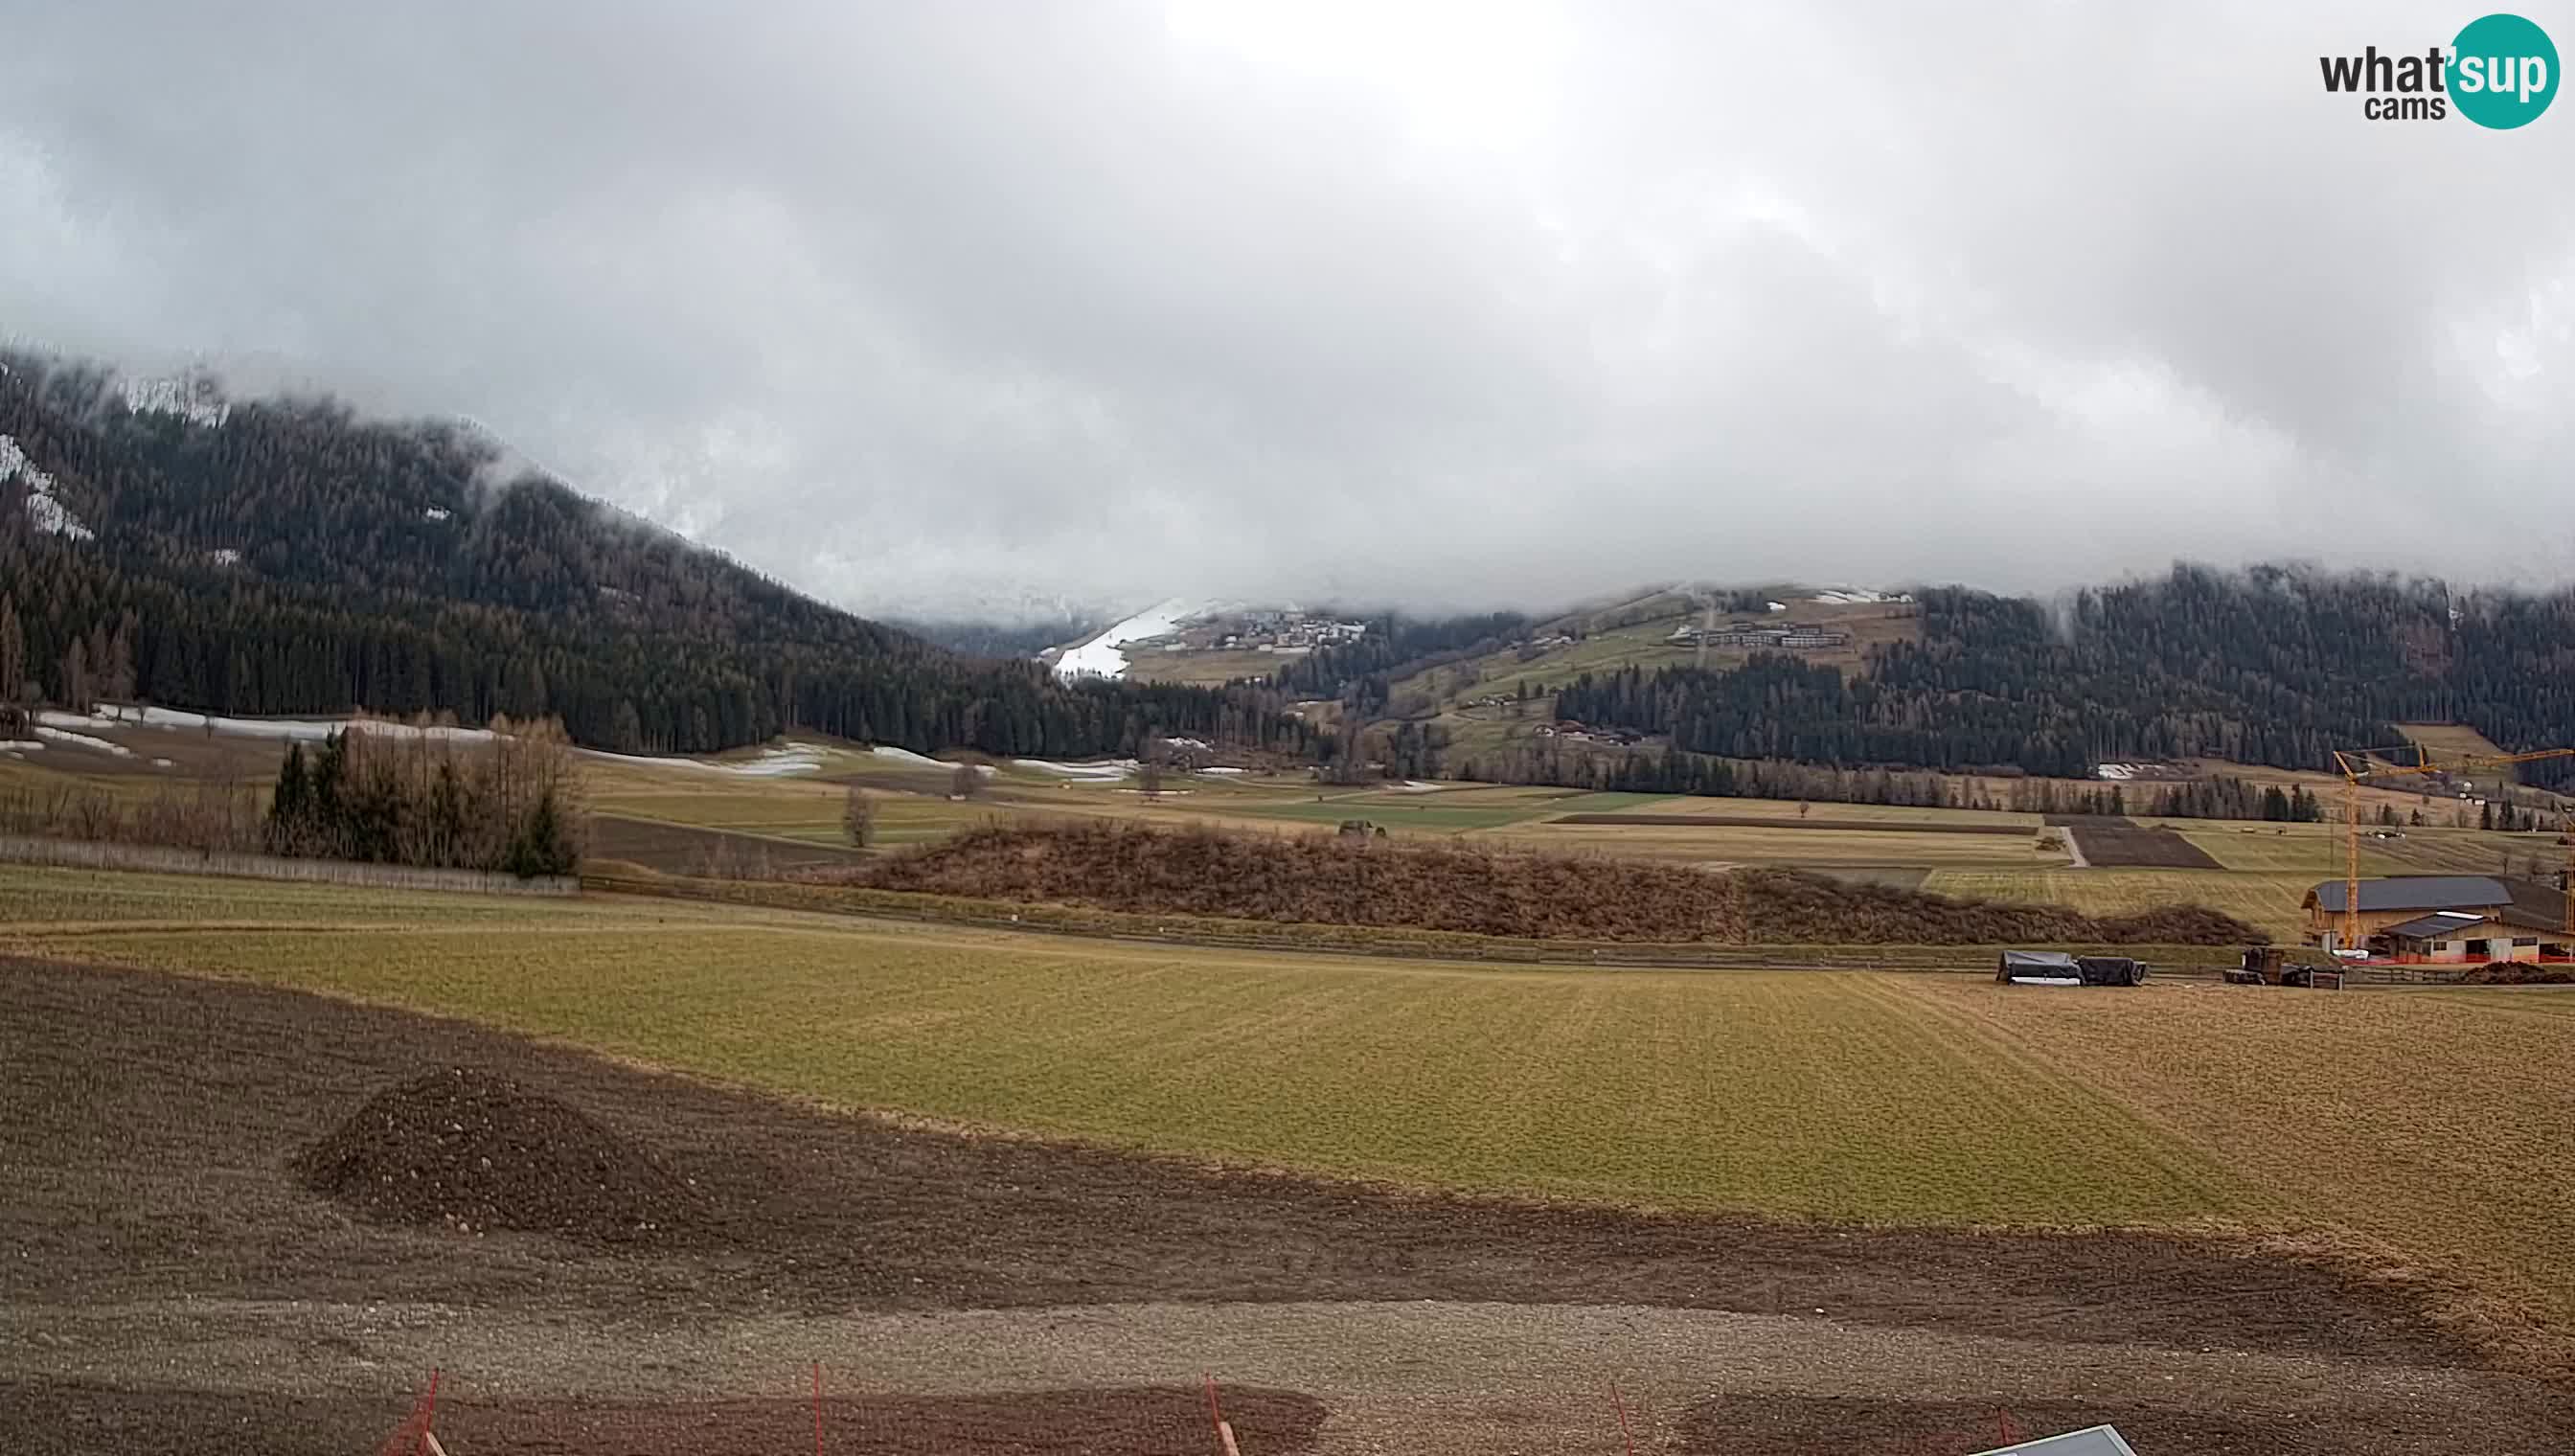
(2111, 970)
(2045, 968)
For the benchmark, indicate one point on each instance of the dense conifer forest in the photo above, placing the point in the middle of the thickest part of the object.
(2272, 666)
(296, 559)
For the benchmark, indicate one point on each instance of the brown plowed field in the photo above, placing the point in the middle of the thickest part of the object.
(1017, 1423)
(168, 1284)
(2112, 842)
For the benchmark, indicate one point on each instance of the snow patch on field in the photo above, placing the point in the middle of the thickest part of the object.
(1108, 771)
(924, 761)
(1225, 771)
(772, 762)
(777, 762)
(1101, 657)
(43, 509)
(83, 740)
(284, 730)
(18, 745)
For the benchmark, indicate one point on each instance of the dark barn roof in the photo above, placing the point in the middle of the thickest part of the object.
(2434, 928)
(2416, 892)
(2535, 907)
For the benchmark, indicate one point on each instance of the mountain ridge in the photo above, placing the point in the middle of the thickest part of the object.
(291, 557)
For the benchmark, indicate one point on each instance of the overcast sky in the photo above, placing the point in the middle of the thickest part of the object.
(939, 306)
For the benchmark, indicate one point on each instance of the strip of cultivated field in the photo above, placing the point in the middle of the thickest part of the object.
(2433, 1122)
(1775, 1093)
(2267, 901)
(2428, 1124)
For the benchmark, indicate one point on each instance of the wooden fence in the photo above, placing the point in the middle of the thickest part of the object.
(160, 860)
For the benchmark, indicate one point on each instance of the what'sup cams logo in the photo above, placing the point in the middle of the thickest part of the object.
(2500, 72)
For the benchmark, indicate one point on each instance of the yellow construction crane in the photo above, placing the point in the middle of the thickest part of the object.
(2359, 764)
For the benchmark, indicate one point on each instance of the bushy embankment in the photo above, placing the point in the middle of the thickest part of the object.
(1323, 879)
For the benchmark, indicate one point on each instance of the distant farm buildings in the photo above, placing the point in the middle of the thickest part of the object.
(1287, 632)
(2444, 918)
(1575, 730)
(1794, 636)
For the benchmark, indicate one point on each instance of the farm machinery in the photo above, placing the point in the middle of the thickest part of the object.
(2268, 966)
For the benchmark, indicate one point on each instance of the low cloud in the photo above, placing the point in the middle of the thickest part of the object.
(956, 309)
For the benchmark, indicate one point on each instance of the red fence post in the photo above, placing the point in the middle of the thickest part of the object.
(1620, 1407)
(818, 1408)
(1216, 1415)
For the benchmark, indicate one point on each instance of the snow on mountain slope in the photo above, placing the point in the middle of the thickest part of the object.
(42, 508)
(1101, 657)
(191, 397)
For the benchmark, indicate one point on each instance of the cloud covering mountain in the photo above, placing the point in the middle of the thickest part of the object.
(926, 308)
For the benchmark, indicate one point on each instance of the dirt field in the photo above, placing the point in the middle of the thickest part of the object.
(175, 1287)
(691, 849)
(2112, 843)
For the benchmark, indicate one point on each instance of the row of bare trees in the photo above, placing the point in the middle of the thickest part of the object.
(223, 817)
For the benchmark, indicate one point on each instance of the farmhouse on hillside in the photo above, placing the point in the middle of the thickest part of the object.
(1795, 637)
(2444, 918)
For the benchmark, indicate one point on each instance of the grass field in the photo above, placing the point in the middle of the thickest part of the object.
(1809, 1094)
(1648, 644)
(2426, 1123)
(2432, 1122)
(1786, 845)
(2448, 738)
(2267, 901)
(2318, 849)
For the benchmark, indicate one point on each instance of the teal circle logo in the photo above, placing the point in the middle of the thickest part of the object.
(2503, 72)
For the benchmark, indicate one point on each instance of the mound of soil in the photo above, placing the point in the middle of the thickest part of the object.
(1321, 879)
(473, 1151)
(2517, 974)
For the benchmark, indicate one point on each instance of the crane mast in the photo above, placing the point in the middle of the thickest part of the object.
(2356, 764)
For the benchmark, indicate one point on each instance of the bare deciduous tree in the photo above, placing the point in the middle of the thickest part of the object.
(13, 652)
(964, 782)
(858, 816)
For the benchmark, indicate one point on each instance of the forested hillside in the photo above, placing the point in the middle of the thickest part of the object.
(2270, 666)
(293, 558)
(998, 640)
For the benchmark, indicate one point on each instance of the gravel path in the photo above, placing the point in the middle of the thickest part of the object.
(1415, 1376)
